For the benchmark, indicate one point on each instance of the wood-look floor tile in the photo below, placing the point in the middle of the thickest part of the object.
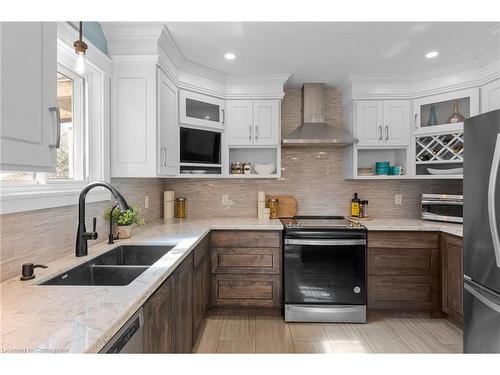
(238, 328)
(345, 338)
(445, 332)
(307, 332)
(209, 338)
(382, 347)
(310, 347)
(272, 336)
(236, 346)
(419, 339)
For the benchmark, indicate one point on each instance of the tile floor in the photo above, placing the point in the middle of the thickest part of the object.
(270, 334)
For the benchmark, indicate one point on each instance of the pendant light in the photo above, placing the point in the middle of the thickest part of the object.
(80, 50)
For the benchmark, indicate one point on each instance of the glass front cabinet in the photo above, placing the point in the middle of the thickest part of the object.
(201, 110)
(439, 113)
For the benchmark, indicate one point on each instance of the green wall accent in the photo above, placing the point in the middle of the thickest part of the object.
(93, 32)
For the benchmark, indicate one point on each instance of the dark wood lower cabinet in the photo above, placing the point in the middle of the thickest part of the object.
(452, 276)
(201, 290)
(183, 306)
(159, 320)
(403, 271)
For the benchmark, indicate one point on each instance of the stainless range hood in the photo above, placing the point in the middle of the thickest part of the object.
(314, 129)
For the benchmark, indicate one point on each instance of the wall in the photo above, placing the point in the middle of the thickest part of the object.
(314, 175)
(42, 236)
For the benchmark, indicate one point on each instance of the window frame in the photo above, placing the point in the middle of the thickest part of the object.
(22, 196)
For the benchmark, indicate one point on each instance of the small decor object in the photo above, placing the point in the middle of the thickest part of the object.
(266, 214)
(264, 168)
(180, 208)
(382, 167)
(168, 205)
(432, 116)
(397, 170)
(236, 168)
(124, 220)
(247, 168)
(261, 204)
(272, 204)
(456, 116)
(449, 171)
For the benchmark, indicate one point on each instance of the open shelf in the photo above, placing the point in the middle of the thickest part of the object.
(253, 156)
(368, 157)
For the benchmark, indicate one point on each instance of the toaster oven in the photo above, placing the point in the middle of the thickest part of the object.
(443, 207)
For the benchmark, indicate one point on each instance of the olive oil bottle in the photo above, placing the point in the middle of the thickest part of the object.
(355, 203)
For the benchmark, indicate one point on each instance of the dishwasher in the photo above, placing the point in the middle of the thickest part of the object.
(129, 339)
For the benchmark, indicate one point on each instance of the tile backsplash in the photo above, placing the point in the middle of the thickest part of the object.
(42, 236)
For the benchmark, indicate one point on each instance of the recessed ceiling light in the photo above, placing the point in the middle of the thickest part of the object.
(229, 56)
(432, 54)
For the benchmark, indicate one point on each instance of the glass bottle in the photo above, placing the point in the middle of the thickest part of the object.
(456, 116)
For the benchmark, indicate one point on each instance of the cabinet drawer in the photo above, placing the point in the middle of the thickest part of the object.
(200, 250)
(401, 292)
(418, 262)
(404, 240)
(246, 260)
(246, 290)
(246, 239)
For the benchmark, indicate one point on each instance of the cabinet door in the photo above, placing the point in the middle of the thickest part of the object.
(452, 275)
(168, 127)
(158, 320)
(183, 306)
(239, 122)
(201, 110)
(369, 122)
(201, 294)
(28, 72)
(133, 120)
(397, 122)
(266, 121)
(490, 96)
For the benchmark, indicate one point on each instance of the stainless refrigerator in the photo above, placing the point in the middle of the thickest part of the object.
(481, 233)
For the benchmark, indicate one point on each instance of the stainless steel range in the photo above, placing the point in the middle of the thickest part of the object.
(324, 270)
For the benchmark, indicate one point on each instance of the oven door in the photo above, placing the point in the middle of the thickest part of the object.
(325, 271)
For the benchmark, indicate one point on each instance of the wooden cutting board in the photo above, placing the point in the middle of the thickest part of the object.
(287, 205)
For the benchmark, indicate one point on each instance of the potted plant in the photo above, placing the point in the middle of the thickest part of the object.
(124, 220)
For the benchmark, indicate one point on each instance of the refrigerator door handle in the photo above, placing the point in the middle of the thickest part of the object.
(492, 187)
(470, 287)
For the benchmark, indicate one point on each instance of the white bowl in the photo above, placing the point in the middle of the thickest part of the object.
(264, 168)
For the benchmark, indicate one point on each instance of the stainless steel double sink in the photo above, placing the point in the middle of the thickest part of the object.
(118, 266)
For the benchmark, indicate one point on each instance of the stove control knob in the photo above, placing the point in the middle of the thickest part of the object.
(357, 289)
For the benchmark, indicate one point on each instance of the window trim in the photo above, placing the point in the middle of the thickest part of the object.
(26, 196)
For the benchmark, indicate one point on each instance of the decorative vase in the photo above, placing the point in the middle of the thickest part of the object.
(455, 116)
(432, 117)
(123, 231)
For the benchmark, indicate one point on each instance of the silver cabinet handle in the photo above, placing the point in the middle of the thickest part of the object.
(165, 158)
(415, 121)
(249, 132)
(223, 116)
(58, 127)
(256, 132)
(492, 187)
(386, 133)
(380, 133)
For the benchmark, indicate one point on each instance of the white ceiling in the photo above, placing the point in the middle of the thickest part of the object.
(326, 52)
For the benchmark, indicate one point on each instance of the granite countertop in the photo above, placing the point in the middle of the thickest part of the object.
(81, 319)
(413, 225)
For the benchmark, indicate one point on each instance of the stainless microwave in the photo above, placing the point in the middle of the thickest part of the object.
(443, 207)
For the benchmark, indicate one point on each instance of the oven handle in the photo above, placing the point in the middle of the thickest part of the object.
(443, 202)
(329, 242)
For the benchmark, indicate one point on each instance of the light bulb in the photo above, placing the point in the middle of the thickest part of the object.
(80, 64)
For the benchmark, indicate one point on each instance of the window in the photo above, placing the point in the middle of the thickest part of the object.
(70, 164)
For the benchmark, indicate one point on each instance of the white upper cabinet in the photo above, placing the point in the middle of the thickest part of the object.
(266, 121)
(369, 122)
(240, 122)
(29, 117)
(253, 122)
(439, 113)
(144, 121)
(168, 127)
(490, 96)
(397, 123)
(201, 110)
(382, 122)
